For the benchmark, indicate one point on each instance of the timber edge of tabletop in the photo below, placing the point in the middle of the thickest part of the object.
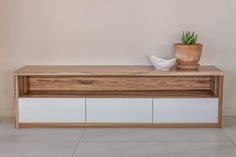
(115, 71)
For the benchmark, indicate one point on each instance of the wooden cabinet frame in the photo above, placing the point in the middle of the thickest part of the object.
(117, 82)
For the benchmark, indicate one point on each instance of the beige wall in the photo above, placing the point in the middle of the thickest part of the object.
(112, 32)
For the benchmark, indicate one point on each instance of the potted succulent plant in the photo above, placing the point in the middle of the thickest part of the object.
(188, 53)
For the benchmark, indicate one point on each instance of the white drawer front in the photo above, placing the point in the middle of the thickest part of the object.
(51, 110)
(192, 110)
(119, 110)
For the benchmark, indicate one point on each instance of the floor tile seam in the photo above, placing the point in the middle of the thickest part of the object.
(231, 140)
(223, 141)
(44, 134)
(77, 145)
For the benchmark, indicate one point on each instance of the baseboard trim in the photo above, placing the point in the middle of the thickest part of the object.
(7, 113)
(229, 111)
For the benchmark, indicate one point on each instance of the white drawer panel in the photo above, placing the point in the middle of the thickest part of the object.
(119, 110)
(192, 110)
(51, 110)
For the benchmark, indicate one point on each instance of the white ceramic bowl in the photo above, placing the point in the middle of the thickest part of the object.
(162, 64)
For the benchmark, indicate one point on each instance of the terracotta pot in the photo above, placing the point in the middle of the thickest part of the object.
(188, 56)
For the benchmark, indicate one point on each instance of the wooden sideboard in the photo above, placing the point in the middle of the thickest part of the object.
(117, 96)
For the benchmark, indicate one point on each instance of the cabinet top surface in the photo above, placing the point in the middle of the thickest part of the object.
(115, 71)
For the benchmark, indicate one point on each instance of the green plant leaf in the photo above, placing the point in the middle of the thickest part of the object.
(189, 38)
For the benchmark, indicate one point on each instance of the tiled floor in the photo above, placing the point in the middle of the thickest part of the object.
(118, 142)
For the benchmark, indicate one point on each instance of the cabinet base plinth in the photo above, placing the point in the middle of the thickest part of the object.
(118, 125)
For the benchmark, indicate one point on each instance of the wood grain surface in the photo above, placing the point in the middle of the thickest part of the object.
(57, 83)
(117, 125)
(121, 94)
